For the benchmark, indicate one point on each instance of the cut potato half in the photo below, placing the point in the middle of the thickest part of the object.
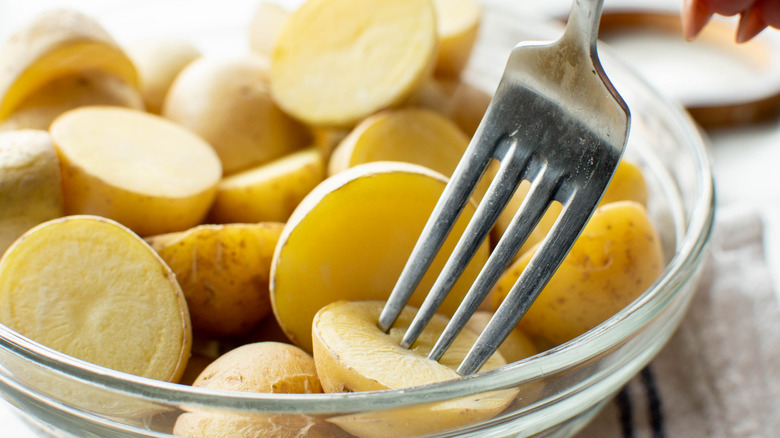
(30, 183)
(337, 61)
(349, 240)
(136, 168)
(412, 135)
(352, 354)
(458, 25)
(90, 288)
(40, 108)
(270, 192)
(224, 272)
(57, 43)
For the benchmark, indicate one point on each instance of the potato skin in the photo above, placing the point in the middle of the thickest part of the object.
(30, 183)
(265, 367)
(615, 259)
(223, 271)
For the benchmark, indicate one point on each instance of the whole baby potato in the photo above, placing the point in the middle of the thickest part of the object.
(264, 367)
(223, 271)
(227, 102)
(616, 258)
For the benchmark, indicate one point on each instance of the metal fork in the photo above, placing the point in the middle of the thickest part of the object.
(555, 120)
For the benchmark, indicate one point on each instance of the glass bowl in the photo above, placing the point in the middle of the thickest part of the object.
(554, 393)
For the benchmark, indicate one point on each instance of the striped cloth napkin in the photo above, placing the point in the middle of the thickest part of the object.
(719, 376)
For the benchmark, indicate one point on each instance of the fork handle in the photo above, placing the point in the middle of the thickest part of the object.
(582, 27)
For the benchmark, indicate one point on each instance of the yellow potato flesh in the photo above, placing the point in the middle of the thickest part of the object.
(141, 170)
(411, 135)
(269, 192)
(349, 240)
(41, 108)
(223, 271)
(30, 183)
(627, 184)
(458, 23)
(54, 44)
(227, 103)
(353, 354)
(336, 62)
(90, 288)
(159, 60)
(617, 257)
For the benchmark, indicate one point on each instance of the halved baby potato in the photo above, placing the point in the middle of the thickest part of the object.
(269, 192)
(224, 272)
(350, 238)
(139, 169)
(228, 104)
(57, 43)
(56, 97)
(90, 288)
(412, 135)
(335, 62)
(352, 354)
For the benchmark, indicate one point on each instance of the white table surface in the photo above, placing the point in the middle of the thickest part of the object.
(745, 159)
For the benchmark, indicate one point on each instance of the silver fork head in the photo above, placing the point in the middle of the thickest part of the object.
(555, 120)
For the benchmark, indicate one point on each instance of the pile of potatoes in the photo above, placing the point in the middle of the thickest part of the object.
(236, 223)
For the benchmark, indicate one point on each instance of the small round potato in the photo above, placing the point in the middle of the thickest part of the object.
(228, 104)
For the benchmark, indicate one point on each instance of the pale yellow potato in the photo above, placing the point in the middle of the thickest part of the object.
(517, 346)
(40, 108)
(458, 24)
(265, 367)
(617, 257)
(349, 240)
(139, 169)
(227, 103)
(269, 192)
(337, 61)
(30, 183)
(352, 354)
(267, 22)
(57, 43)
(412, 135)
(627, 184)
(90, 288)
(223, 271)
(159, 60)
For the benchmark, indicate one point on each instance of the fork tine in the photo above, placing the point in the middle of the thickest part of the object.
(500, 191)
(551, 252)
(525, 219)
(447, 210)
